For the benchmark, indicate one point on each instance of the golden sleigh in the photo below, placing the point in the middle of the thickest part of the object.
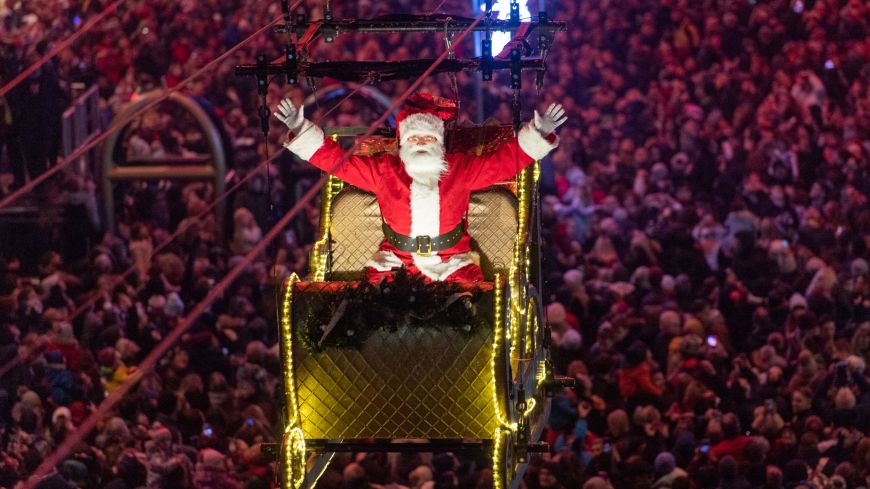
(422, 389)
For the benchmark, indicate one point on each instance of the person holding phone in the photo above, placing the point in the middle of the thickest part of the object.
(767, 420)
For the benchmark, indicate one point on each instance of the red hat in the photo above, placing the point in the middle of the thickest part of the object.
(425, 114)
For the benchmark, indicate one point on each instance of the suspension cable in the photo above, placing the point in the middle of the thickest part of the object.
(60, 46)
(125, 120)
(181, 229)
(169, 341)
(434, 10)
(117, 279)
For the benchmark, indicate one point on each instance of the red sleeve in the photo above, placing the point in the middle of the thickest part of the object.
(508, 159)
(498, 166)
(644, 381)
(324, 153)
(359, 171)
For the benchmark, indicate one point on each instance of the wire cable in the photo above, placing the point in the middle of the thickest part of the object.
(434, 10)
(150, 361)
(60, 46)
(207, 210)
(181, 229)
(117, 125)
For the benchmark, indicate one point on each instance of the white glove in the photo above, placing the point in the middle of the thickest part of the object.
(290, 115)
(553, 117)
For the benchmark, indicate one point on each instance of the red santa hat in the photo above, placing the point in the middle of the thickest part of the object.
(425, 114)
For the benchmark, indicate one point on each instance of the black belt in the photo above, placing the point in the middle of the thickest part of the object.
(423, 245)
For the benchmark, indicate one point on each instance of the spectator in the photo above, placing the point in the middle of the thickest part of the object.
(635, 377)
(703, 254)
(211, 471)
(667, 471)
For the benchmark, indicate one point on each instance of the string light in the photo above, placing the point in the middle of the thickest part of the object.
(504, 425)
(532, 325)
(294, 457)
(542, 371)
(497, 481)
(293, 445)
(517, 273)
(520, 257)
(498, 333)
(530, 405)
(497, 338)
(287, 344)
(320, 251)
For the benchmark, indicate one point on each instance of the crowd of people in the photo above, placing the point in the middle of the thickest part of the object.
(708, 241)
(705, 227)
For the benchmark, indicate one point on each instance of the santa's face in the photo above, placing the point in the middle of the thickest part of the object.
(421, 140)
(423, 157)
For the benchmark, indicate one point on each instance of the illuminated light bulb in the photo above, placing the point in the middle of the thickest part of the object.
(503, 7)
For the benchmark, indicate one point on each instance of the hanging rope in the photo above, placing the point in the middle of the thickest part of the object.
(169, 341)
(85, 306)
(9, 365)
(123, 122)
(208, 209)
(60, 46)
(434, 10)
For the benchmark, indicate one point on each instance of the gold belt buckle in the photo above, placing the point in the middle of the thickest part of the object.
(424, 245)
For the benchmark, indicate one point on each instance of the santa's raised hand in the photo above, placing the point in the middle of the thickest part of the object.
(553, 117)
(291, 116)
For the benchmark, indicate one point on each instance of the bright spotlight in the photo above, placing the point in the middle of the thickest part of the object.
(503, 8)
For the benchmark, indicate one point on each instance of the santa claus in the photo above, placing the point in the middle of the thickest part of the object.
(422, 192)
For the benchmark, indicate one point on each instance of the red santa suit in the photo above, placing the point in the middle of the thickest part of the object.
(411, 206)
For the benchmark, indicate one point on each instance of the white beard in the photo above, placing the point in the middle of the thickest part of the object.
(425, 164)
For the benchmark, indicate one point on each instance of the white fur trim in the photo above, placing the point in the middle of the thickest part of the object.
(425, 209)
(534, 144)
(435, 269)
(430, 266)
(384, 261)
(307, 142)
(421, 124)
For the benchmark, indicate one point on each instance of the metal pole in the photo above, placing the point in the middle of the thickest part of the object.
(478, 87)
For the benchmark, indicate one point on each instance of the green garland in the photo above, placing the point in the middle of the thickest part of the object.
(348, 316)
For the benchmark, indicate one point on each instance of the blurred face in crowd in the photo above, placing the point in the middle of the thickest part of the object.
(596, 448)
(547, 478)
(181, 360)
(788, 438)
(800, 402)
